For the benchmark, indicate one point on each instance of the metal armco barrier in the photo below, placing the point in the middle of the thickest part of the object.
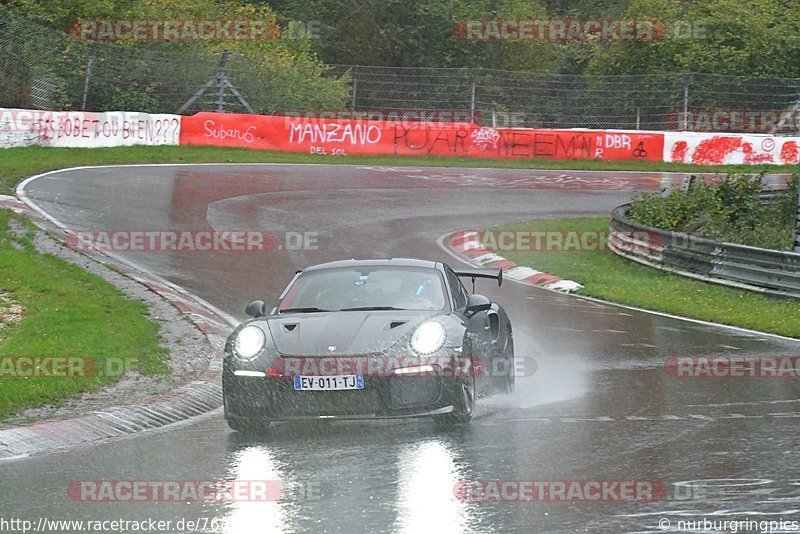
(797, 224)
(767, 271)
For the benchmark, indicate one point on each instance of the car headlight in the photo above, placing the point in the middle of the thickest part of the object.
(428, 337)
(249, 342)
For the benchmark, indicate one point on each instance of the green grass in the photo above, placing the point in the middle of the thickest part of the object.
(69, 313)
(16, 163)
(607, 276)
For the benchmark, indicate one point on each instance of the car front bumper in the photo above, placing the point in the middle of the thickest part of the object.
(270, 398)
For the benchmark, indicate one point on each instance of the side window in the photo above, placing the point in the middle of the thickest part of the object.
(459, 293)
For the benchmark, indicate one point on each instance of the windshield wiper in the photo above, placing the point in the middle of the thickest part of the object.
(371, 308)
(309, 309)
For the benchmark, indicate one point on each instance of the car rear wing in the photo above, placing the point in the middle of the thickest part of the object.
(476, 272)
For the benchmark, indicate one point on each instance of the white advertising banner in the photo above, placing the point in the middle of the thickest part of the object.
(24, 127)
(725, 148)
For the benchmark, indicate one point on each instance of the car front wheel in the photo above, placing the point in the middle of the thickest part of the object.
(463, 406)
(248, 427)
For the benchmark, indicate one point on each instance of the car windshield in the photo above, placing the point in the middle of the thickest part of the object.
(366, 288)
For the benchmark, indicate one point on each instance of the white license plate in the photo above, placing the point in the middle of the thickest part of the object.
(328, 383)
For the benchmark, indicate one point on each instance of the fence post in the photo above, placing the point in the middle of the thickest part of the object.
(472, 98)
(87, 77)
(221, 74)
(797, 223)
(220, 79)
(686, 101)
(353, 100)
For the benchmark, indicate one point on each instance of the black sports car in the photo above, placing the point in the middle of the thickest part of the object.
(369, 338)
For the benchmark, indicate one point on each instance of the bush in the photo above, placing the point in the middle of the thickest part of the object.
(160, 76)
(729, 211)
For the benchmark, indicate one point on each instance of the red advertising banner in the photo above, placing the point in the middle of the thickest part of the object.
(578, 144)
(345, 137)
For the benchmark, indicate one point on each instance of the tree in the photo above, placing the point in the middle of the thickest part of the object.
(420, 34)
(754, 38)
(277, 74)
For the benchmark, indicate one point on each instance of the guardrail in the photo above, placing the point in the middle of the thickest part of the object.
(767, 271)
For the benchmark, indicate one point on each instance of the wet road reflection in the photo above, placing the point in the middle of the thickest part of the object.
(427, 476)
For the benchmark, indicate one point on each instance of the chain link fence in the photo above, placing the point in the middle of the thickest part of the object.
(44, 69)
(698, 102)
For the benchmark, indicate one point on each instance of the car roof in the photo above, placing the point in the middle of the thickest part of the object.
(397, 262)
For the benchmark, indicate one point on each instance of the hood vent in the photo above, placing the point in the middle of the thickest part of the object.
(289, 327)
(395, 324)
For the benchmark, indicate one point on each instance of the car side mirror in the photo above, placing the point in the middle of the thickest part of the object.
(477, 303)
(256, 309)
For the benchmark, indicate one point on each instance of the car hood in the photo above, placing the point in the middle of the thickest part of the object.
(350, 333)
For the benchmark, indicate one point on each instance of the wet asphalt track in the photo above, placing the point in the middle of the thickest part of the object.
(599, 407)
